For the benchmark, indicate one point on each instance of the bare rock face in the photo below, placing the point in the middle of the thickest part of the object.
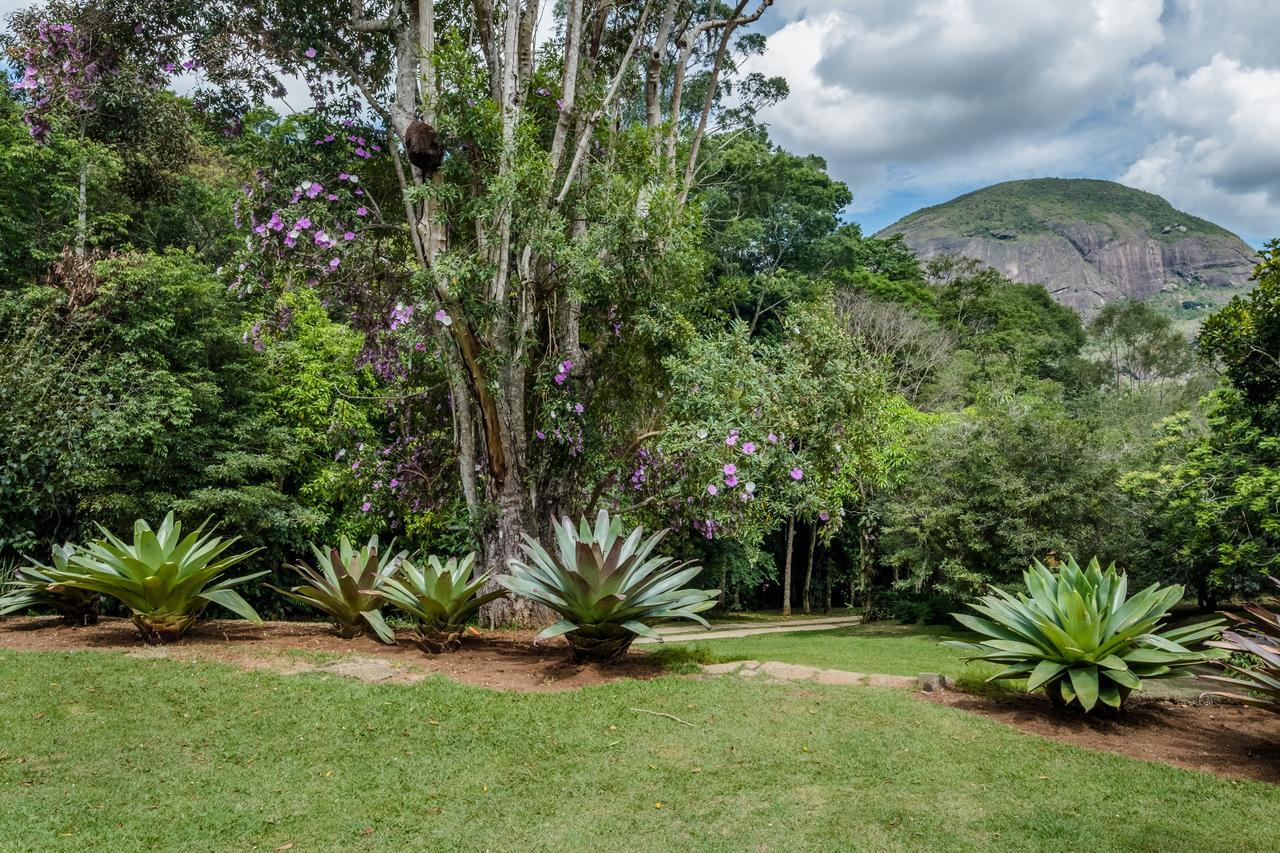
(1088, 242)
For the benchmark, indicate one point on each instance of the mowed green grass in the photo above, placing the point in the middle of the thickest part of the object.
(882, 647)
(107, 752)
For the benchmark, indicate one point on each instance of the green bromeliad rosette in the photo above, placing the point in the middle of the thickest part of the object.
(37, 587)
(440, 597)
(607, 588)
(345, 585)
(166, 579)
(1079, 636)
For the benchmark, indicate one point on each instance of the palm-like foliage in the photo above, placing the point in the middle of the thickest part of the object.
(36, 586)
(166, 579)
(346, 585)
(1257, 633)
(440, 597)
(608, 589)
(1081, 637)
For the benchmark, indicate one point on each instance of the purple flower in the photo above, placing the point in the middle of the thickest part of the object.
(349, 236)
(366, 506)
(797, 474)
(731, 481)
(443, 318)
(824, 516)
(333, 264)
(730, 469)
(773, 439)
(748, 448)
(542, 436)
(577, 407)
(711, 489)
(362, 211)
(394, 482)
(731, 439)
(309, 53)
(560, 378)
(304, 222)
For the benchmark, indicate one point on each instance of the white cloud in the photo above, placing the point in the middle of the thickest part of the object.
(1218, 155)
(936, 97)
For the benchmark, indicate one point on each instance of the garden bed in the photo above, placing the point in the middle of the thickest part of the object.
(1228, 740)
(501, 660)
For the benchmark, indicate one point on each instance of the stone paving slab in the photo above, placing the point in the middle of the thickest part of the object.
(793, 672)
(725, 633)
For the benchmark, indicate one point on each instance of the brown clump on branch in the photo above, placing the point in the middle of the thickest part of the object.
(422, 144)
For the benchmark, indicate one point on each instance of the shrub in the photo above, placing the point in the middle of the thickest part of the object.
(36, 587)
(346, 585)
(1256, 633)
(440, 598)
(1080, 637)
(607, 588)
(165, 579)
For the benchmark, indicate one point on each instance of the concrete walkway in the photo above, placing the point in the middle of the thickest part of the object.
(730, 630)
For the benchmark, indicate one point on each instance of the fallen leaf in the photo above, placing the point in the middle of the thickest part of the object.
(288, 845)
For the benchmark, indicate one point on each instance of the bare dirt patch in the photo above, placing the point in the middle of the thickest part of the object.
(501, 660)
(1227, 740)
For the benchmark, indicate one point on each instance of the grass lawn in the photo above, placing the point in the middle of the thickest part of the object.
(883, 647)
(100, 750)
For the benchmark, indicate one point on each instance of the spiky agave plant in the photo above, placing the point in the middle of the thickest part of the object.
(166, 579)
(346, 585)
(1257, 633)
(440, 597)
(36, 586)
(1080, 637)
(608, 589)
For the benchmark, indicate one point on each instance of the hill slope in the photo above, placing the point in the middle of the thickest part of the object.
(1088, 242)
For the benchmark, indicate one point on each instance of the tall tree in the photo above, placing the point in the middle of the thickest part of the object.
(557, 212)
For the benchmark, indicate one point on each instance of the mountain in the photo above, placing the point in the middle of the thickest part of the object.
(1089, 243)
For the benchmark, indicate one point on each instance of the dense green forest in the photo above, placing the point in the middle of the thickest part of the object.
(209, 307)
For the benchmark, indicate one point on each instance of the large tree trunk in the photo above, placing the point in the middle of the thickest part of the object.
(501, 543)
(786, 568)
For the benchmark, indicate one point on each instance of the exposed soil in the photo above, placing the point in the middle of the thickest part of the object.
(501, 660)
(1228, 740)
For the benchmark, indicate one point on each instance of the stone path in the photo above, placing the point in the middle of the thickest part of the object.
(726, 631)
(772, 670)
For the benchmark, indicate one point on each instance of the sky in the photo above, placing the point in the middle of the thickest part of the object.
(913, 102)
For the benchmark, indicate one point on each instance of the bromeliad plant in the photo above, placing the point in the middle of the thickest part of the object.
(1256, 633)
(37, 587)
(166, 579)
(440, 598)
(1080, 637)
(346, 587)
(608, 589)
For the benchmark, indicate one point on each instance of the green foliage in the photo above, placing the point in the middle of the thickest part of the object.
(165, 579)
(608, 589)
(1245, 337)
(1139, 345)
(1256, 633)
(1208, 491)
(36, 587)
(440, 597)
(994, 486)
(1080, 636)
(346, 586)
